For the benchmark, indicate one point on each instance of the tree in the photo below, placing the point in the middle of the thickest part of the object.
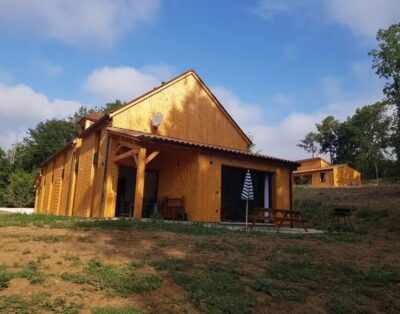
(20, 191)
(5, 169)
(328, 135)
(386, 62)
(370, 130)
(110, 106)
(43, 141)
(310, 143)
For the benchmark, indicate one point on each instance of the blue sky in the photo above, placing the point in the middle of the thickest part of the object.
(277, 66)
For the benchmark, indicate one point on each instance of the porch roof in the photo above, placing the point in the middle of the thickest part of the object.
(155, 138)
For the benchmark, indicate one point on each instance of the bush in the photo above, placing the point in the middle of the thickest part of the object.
(20, 192)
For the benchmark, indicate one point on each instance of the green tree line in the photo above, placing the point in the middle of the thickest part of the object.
(370, 138)
(20, 165)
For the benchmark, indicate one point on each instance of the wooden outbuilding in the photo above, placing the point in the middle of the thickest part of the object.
(319, 173)
(175, 144)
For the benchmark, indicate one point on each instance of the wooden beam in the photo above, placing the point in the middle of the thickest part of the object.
(125, 155)
(118, 148)
(135, 158)
(128, 144)
(152, 156)
(139, 189)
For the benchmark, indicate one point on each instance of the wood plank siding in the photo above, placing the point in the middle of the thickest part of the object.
(82, 178)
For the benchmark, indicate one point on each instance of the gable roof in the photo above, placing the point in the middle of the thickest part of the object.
(311, 159)
(154, 138)
(171, 82)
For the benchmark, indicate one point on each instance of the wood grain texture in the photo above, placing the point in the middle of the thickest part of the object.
(66, 185)
(139, 188)
(189, 113)
(99, 180)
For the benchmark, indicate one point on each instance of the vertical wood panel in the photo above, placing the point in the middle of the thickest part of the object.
(101, 166)
(111, 182)
(139, 188)
(188, 113)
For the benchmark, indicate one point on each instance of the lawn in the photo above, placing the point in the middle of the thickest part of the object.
(51, 264)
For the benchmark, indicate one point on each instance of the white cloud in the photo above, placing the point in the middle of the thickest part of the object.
(21, 107)
(125, 83)
(269, 9)
(280, 139)
(77, 22)
(364, 17)
(282, 99)
(244, 114)
(361, 17)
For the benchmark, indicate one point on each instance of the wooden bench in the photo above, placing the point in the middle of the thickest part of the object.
(172, 208)
(277, 217)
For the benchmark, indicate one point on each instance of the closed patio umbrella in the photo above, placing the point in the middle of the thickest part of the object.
(247, 192)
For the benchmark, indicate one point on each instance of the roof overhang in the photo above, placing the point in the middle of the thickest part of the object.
(150, 138)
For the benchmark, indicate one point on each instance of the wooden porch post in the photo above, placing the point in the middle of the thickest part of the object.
(139, 188)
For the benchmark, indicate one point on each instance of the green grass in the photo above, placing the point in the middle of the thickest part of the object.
(38, 303)
(278, 292)
(5, 277)
(31, 273)
(121, 280)
(296, 250)
(52, 221)
(51, 238)
(172, 264)
(295, 271)
(22, 237)
(207, 244)
(73, 259)
(217, 289)
(116, 310)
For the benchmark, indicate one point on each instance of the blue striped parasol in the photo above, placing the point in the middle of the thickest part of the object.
(247, 192)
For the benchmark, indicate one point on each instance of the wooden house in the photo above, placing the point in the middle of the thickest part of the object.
(174, 144)
(319, 173)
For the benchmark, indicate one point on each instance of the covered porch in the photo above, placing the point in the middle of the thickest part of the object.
(145, 168)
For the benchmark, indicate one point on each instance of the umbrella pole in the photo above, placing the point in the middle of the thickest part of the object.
(247, 211)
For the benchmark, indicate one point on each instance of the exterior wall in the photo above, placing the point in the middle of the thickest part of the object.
(189, 113)
(112, 170)
(209, 184)
(315, 177)
(47, 188)
(99, 175)
(57, 185)
(342, 175)
(346, 176)
(85, 180)
(197, 177)
(178, 177)
(66, 185)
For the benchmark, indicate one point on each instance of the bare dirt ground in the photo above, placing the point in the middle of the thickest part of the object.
(49, 265)
(260, 273)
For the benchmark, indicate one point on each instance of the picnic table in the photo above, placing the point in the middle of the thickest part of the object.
(277, 217)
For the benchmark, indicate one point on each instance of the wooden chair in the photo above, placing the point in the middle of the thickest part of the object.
(125, 208)
(172, 208)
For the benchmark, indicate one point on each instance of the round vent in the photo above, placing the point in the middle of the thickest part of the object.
(156, 119)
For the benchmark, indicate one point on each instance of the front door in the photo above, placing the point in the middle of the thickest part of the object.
(126, 192)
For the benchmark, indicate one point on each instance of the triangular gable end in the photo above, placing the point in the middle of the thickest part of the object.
(190, 111)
